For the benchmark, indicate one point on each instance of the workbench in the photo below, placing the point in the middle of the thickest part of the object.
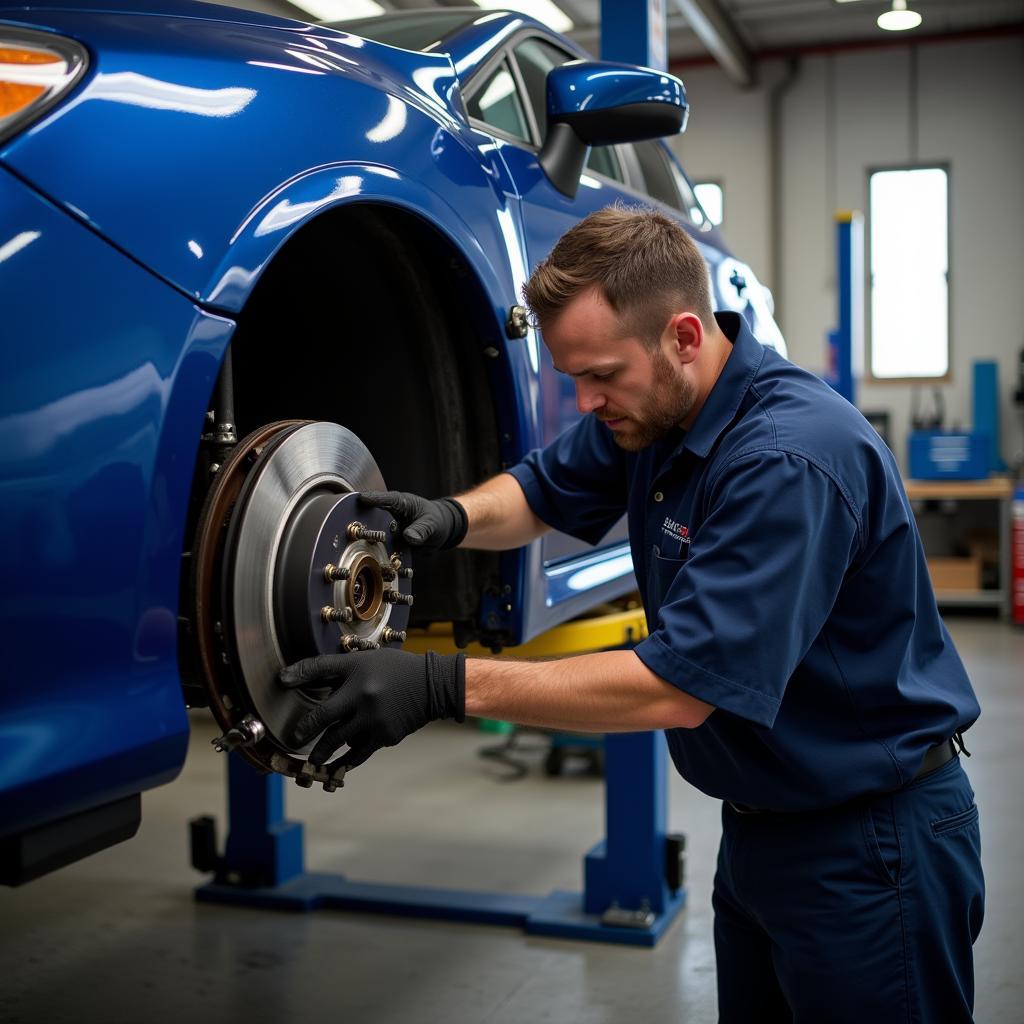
(998, 492)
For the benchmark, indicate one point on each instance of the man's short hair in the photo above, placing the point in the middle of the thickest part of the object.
(644, 263)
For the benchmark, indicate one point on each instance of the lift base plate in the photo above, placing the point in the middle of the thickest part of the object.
(558, 915)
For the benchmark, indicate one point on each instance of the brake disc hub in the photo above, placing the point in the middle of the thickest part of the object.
(326, 586)
(289, 563)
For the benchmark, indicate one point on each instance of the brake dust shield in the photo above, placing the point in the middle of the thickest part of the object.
(289, 563)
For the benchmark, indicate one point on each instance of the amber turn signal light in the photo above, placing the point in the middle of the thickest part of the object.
(15, 93)
(34, 71)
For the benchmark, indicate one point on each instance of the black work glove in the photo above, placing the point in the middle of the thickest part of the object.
(441, 523)
(380, 698)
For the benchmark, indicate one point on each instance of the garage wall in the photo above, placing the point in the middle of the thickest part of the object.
(960, 103)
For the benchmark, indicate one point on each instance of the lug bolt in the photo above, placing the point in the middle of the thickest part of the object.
(333, 573)
(394, 597)
(406, 574)
(396, 562)
(335, 777)
(392, 636)
(351, 642)
(330, 614)
(356, 531)
(388, 571)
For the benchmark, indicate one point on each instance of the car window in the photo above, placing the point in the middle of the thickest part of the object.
(536, 58)
(497, 103)
(659, 182)
(690, 205)
(603, 160)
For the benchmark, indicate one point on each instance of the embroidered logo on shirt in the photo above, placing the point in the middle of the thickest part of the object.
(676, 530)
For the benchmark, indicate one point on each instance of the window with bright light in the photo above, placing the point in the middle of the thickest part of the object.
(710, 196)
(908, 228)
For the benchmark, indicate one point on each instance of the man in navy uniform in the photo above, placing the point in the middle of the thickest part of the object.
(796, 657)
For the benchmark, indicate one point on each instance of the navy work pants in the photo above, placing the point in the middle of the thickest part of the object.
(863, 913)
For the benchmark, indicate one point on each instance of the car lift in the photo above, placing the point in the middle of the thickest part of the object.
(632, 880)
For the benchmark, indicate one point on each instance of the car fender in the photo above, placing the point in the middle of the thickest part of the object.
(183, 130)
(99, 425)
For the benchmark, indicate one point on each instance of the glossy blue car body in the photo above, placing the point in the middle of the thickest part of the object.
(137, 216)
(577, 88)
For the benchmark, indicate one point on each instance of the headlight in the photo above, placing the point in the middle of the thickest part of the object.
(36, 69)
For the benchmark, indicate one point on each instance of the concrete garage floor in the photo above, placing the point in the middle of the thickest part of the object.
(118, 938)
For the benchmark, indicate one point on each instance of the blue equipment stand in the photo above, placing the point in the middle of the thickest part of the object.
(626, 875)
(846, 342)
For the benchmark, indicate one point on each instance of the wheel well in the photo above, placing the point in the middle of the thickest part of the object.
(369, 318)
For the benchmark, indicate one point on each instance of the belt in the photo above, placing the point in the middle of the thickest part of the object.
(934, 759)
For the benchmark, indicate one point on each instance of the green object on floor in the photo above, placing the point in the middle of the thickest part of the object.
(495, 726)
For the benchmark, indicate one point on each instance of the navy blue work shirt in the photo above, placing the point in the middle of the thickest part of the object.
(784, 582)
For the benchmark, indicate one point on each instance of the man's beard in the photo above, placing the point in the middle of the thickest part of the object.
(672, 398)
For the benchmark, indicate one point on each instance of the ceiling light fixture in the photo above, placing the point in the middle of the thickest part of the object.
(339, 10)
(545, 11)
(899, 19)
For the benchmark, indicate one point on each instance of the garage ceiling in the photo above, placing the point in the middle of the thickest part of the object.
(761, 27)
(771, 25)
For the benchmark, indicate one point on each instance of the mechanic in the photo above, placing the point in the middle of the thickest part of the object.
(796, 657)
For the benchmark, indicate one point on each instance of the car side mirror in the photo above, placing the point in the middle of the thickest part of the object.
(598, 103)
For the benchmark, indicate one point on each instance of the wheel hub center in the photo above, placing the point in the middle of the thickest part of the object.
(330, 591)
(367, 587)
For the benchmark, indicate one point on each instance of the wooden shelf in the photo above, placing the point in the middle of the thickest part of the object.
(985, 598)
(997, 489)
(994, 489)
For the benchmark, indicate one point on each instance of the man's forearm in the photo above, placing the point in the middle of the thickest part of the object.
(499, 515)
(609, 692)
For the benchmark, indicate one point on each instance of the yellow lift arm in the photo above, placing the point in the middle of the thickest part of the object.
(592, 633)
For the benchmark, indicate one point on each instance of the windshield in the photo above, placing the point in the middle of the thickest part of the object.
(420, 30)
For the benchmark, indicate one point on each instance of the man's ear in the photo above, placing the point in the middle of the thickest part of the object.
(688, 336)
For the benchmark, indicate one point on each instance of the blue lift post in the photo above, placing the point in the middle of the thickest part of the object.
(635, 32)
(625, 875)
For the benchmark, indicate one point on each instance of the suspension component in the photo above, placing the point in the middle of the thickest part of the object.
(249, 730)
(356, 531)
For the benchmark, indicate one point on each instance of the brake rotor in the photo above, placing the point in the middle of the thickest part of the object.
(289, 563)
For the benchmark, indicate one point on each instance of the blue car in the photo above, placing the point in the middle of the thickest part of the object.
(250, 267)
